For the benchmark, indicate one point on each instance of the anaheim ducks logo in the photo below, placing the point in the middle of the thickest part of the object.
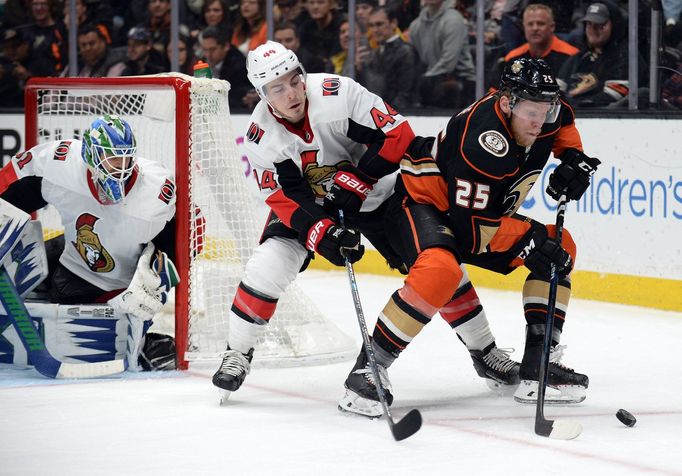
(518, 192)
(90, 247)
(494, 142)
(319, 177)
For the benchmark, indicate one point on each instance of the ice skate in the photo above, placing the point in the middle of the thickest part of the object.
(494, 365)
(564, 385)
(232, 372)
(361, 394)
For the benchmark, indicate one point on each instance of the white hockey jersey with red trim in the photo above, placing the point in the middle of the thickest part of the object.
(103, 242)
(343, 120)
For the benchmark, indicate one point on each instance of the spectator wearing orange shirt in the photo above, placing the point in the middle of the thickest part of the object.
(250, 29)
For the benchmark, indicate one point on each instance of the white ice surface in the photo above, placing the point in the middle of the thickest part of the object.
(285, 421)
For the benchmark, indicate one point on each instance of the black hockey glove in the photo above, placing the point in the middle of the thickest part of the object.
(573, 174)
(158, 352)
(349, 189)
(541, 251)
(334, 242)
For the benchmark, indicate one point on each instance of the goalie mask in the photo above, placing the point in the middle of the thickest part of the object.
(109, 149)
(530, 81)
(268, 62)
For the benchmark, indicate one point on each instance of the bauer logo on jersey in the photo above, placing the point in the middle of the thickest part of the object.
(62, 150)
(255, 133)
(167, 191)
(494, 142)
(89, 245)
(331, 86)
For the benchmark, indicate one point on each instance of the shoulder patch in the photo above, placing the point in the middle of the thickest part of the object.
(167, 191)
(255, 133)
(494, 142)
(62, 150)
(331, 86)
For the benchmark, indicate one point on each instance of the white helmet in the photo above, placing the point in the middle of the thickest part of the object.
(268, 62)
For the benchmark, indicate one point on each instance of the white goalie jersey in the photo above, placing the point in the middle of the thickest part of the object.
(103, 242)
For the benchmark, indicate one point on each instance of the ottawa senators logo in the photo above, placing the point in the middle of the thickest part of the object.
(167, 191)
(331, 86)
(62, 150)
(90, 247)
(319, 177)
(255, 133)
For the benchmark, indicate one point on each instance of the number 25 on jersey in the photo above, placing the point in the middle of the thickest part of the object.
(471, 195)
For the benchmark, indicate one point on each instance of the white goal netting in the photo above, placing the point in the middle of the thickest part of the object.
(176, 117)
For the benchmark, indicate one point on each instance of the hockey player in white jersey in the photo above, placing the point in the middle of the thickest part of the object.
(117, 209)
(319, 143)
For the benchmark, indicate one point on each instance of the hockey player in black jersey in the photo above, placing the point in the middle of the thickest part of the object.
(461, 193)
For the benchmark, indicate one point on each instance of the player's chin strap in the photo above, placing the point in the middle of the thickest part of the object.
(144, 298)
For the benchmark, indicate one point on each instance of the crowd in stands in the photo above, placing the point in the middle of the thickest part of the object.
(413, 53)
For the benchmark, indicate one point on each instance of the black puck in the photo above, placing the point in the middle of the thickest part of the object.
(626, 418)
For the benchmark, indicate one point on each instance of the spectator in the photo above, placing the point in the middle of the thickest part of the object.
(218, 13)
(158, 24)
(292, 11)
(439, 35)
(97, 59)
(142, 58)
(339, 60)
(598, 74)
(389, 73)
(186, 58)
(286, 34)
(405, 10)
(86, 13)
(16, 13)
(363, 9)
(321, 32)
(226, 63)
(538, 28)
(17, 65)
(45, 34)
(250, 29)
(671, 12)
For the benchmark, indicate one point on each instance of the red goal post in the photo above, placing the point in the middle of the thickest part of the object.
(184, 123)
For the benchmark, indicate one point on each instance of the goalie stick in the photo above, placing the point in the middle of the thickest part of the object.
(410, 423)
(558, 429)
(38, 354)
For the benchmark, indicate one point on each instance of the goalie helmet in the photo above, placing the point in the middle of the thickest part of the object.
(268, 62)
(109, 149)
(532, 80)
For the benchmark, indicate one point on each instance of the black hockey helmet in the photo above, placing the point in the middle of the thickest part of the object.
(529, 78)
(532, 80)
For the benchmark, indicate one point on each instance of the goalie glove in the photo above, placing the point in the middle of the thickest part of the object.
(149, 288)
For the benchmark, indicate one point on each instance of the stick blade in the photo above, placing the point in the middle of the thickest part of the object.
(558, 429)
(407, 426)
(89, 369)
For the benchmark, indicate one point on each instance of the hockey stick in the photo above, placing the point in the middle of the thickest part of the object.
(410, 423)
(38, 354)
(559, 429)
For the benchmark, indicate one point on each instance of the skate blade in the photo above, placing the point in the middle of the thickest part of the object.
(224, 396)
(355, 404)
(527, 392)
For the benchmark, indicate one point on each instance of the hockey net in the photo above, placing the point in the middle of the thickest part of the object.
(184, 123)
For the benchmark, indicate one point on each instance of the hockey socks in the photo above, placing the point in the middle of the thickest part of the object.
(250, 311)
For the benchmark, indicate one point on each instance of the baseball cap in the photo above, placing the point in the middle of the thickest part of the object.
(13, 35)
(139, 34)
(597, 13)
